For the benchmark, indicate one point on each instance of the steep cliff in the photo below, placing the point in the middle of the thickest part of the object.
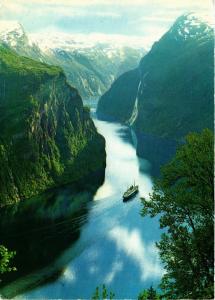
(46, 136)
(175, 91)
(118, 102)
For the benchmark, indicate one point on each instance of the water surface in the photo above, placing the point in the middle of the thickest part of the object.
(117, 245)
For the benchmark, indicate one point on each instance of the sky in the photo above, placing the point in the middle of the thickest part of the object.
(145, 20)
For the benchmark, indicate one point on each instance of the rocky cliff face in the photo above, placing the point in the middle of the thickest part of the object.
(118, 102)
(46, 136)
(175, 91)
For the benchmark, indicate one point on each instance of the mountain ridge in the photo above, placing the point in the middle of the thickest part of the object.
(91, 67)
(175, 94)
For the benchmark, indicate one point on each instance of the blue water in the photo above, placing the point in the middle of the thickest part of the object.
(116, 245)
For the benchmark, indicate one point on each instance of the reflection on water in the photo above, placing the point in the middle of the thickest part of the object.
(40, 230)
(122, 163)
(115, 246)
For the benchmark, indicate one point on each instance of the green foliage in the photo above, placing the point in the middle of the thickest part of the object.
(183, 198)
(149, 294)
(143, 295)
(5, 259)
(24, 65)
(44, 130)
(152, 293)
(102, 293)
(87, 109)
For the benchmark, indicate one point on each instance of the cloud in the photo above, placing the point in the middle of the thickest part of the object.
(93, 270)
(174, 3)
(152, 33)
(106, 14)
(117, 266)
(10, 6)
(157, 17)
(140, 19)
(106, 190)
(93, 254)
(146, 257)
(53, 5)
(53, 38)
(69, 275)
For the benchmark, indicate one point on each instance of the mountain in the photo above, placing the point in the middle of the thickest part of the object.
(93, 70)
(118, 102)
(177, 81)
(90, 65)
(175, 91)
(13, 35)
(47, 137)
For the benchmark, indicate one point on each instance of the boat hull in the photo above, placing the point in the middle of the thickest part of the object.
(126, 198)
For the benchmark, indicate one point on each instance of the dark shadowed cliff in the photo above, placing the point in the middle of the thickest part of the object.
(175, 91)
(118, 102)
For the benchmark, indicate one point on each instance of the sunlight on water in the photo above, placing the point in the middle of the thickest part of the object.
(122, 163)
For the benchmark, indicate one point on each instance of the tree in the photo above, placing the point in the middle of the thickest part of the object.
(103, 295)
(149, 294)
(183, 198)
(152, 293)
(5, 259)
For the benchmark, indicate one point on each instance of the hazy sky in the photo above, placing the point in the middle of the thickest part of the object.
(147, 19)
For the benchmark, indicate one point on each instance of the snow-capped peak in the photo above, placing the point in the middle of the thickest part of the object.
(13, 34)
(68, 41)
(196, 18)
(8, 27)
(192, 25)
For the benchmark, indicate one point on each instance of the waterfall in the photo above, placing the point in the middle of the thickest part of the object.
(135, 109)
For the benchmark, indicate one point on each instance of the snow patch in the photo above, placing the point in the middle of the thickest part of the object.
(52, 39)
(192, 25)
(10, 26)
(11, 32)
